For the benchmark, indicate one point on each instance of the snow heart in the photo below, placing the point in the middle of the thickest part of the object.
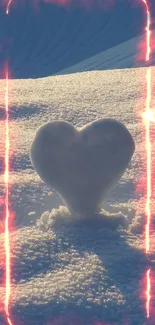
(82, 165)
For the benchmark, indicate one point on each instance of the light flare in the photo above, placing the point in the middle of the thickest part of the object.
(148, 118)
(148, 31)
(8, 6)
(149, 115)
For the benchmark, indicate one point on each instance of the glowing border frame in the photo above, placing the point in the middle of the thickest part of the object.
(148, 116)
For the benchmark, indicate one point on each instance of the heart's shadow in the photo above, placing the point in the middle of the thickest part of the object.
(107, 264)
(124, 263)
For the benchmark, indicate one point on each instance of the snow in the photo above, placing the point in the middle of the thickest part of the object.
(82, 271)
(126, 55)
(42, 39)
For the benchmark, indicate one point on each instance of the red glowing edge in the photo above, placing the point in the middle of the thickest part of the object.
(148, 117)
(8, 7)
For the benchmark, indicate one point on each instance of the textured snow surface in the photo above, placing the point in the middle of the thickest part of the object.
(78, 272)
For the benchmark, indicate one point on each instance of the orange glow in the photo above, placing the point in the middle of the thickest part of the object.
(148, 118)
(149, 115)
(6, 181)
(148, 31)
(8, 7)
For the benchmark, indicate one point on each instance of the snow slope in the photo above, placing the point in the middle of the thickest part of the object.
(40, 41)
(128, 54)
(82, 274)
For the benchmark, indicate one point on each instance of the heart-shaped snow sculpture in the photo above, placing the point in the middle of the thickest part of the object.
(82, 165)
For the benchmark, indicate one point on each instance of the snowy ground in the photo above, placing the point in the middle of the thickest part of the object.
(75, 274)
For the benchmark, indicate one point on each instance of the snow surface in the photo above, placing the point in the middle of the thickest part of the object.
(75, 274)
